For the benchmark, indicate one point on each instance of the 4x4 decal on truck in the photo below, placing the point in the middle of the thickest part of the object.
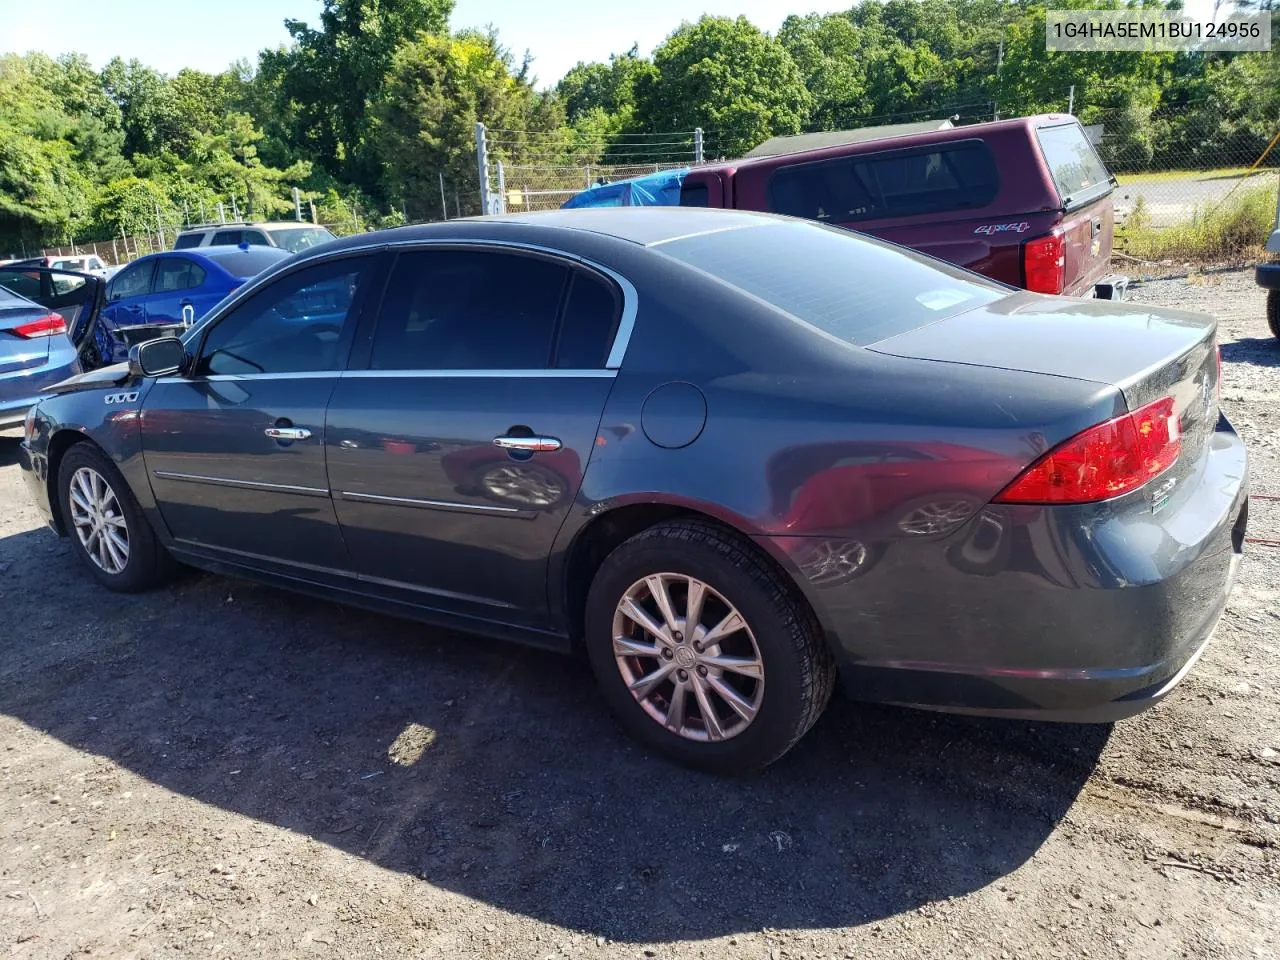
(991, 228)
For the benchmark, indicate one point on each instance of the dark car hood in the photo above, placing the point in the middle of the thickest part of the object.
(1098, 340)
(110, 376)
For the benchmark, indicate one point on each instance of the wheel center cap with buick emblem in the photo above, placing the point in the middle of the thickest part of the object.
(685, 657)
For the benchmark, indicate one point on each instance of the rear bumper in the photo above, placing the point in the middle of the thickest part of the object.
(1112, 287)
(1084, 614)
(1267, 275)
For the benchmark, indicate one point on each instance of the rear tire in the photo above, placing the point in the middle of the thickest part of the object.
(776, 644)
(1273, 313)
(108, 529)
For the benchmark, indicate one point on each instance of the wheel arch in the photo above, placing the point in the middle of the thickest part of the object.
(603, 533)
(61, 442)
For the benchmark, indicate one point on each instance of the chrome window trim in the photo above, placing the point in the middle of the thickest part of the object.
(630, 299)
(244, 484)
(475, 374)
(621, 337)
(431, 504)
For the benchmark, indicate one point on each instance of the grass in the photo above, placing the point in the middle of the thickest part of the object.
(1161, 176)
(1236, 229)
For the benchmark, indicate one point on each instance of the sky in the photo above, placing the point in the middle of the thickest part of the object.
(169, 35)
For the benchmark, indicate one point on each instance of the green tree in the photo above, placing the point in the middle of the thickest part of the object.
(332, 74)
(436, 91)
(729, 78)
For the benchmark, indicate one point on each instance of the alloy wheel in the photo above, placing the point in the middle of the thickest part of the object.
(688, 657)
(99, 521)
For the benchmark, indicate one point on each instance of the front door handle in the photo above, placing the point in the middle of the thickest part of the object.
(527, 444)
(288, 433)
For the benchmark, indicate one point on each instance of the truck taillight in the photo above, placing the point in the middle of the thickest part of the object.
(45, 326)
(1104, 461)
(1044, 263)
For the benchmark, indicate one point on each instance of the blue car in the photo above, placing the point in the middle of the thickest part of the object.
(35, 352)
(175, 287)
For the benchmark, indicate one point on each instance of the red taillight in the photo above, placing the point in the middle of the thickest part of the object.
(45, 326)
(1044, 262)
(1103, 461)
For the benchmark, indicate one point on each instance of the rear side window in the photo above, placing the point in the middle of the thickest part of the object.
(24, 284)
(468, 310)
(956, 176)
(589, 323)
(1076, 167)
(852, 287)
(176, 273)
(188, 240)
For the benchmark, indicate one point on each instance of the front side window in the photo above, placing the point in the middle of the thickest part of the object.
(894, 184)
(468, 310)
(175, 273)
(299, 323)
(132, 281)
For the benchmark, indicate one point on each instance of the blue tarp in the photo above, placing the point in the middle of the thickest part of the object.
(660, 189)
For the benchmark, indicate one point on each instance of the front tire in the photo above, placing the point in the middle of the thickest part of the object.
(108, 529)
(704, 651)
(1273, 312)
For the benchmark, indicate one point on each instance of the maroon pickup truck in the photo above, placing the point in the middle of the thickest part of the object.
(1024, 201)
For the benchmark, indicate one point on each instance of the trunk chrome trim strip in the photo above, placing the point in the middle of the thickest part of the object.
(244, 484)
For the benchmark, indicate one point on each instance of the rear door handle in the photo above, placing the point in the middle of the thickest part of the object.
(288, 433)
(527, 444)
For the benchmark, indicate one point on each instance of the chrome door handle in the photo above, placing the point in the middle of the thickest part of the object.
(288, 433)
(527, 444)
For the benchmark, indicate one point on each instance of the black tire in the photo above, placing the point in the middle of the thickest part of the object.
(1273, 312)
(798, 670)
(148, 563)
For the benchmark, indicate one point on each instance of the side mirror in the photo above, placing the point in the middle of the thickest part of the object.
(157, 358)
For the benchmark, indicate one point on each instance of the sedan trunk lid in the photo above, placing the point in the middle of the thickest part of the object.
(1146, 354)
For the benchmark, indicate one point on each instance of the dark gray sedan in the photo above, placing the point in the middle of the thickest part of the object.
(730, 457)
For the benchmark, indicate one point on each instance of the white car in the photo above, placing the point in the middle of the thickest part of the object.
(85, 263)
(289, 235)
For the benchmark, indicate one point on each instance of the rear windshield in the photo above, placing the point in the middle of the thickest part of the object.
(245, 263)
(954, 176)
(294, 239)
(1076, 167)
(847, 285)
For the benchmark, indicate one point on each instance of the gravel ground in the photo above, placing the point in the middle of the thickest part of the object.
(220, 769)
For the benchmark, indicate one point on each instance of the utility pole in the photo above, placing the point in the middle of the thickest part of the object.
(697, 145)
(1071, 100)
(502, 190)
(222, 212)
(482, 167)
(999, 64)
(297, 204)
(444, 204)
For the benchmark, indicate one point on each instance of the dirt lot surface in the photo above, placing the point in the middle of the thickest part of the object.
(219, 769)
